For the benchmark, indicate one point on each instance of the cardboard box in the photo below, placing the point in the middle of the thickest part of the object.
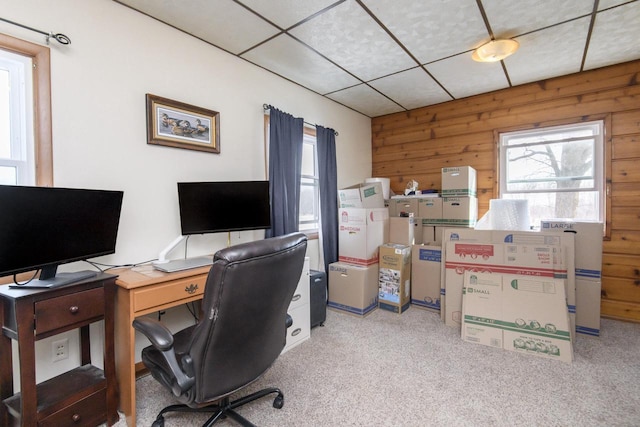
(425, 276)
(429, 234)
(405, 231)
(588, 294)
(460, 211)
(430, 210)
(364, 195)
(526, 314)
(588, 238)
(459, 181)
(353, 289)
(360, 233)
(407, 205)
(500, 258)
(394, 277)
(588, 269)
(564, 241)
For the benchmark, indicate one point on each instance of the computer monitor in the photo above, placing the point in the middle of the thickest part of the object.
(44, 227)
(223, 206)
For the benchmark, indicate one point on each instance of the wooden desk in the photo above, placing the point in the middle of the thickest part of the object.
(140, 291)
(84, 396)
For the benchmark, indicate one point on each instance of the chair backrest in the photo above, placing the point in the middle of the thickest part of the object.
(242, 330)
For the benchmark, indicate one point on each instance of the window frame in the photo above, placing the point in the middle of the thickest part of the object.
(605, 173)
(42, 129)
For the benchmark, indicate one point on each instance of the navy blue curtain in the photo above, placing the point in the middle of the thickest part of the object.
(285, 165)
(328, 175)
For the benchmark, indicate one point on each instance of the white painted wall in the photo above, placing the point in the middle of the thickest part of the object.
(99, 83)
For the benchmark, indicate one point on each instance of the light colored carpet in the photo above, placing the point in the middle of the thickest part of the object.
(412, 370)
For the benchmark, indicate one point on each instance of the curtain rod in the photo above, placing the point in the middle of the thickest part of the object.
(268, 107)
(60, 38)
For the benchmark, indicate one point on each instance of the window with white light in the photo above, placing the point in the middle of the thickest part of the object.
(559, 170)
(17, 163)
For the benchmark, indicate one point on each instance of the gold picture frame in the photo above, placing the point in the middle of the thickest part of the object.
(176, 124)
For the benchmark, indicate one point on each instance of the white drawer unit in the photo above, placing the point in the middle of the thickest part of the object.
(300, 311)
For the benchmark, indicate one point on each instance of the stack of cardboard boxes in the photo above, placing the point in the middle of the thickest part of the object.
(363, 225)
(523, 291)
(457, 208)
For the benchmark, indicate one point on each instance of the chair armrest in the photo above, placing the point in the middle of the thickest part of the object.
(159, 335)
(162, 339)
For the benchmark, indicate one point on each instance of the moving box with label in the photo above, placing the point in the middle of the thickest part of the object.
(360, 233)
(352, 288)
(394, 277)
(365, 195)
(459, 181)
(526, 314)
(425, 276)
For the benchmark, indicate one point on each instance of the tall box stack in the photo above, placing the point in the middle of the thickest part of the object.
(588, 270)
(459, 192)
(395, 277)
(363, 225)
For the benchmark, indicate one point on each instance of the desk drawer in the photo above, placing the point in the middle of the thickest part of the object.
(89, 411)
(68, 310)
(168, 292)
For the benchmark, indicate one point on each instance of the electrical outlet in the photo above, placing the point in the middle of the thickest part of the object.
(60, 349)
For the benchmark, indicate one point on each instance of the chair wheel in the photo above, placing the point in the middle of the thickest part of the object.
(278, 402)
(159, 422)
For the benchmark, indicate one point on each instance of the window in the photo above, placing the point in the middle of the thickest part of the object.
(310, 185)
(25, 113)
(559, 170)
(17, 164)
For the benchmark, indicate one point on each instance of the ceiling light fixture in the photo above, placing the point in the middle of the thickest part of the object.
(495, 50)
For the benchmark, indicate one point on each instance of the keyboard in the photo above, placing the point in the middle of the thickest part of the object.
(183, 264)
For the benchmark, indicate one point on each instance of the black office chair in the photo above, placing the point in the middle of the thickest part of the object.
(241, 333)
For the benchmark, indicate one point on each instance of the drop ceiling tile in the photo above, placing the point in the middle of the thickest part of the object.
(412, 88)
(286, 13)
(553, 52)
(510, 18)
(365, 100)
(222, 23)
(605, 4)
(348, 36)
(462, 76)
(287, 57)
(432, 29)
(615, 37)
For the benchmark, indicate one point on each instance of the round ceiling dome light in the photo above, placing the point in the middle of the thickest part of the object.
(495, 50)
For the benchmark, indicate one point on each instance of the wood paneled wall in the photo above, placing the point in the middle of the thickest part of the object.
(418, 143)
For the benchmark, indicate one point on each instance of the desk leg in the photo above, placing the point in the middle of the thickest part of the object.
(125, 357)
(6, 371)
(26, 348)
(109, 353)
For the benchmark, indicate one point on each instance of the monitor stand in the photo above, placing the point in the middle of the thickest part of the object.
(59, 279)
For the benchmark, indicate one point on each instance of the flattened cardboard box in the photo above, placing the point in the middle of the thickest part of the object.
(517, 313)
(500, 258)
(588, 258)
(352, 288)
(425, 276)
(394, 277)
(565, 241)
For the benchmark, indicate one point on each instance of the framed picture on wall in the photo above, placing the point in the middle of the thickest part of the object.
(176, 124)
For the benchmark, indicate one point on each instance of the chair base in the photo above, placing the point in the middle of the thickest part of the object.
(224, 408)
